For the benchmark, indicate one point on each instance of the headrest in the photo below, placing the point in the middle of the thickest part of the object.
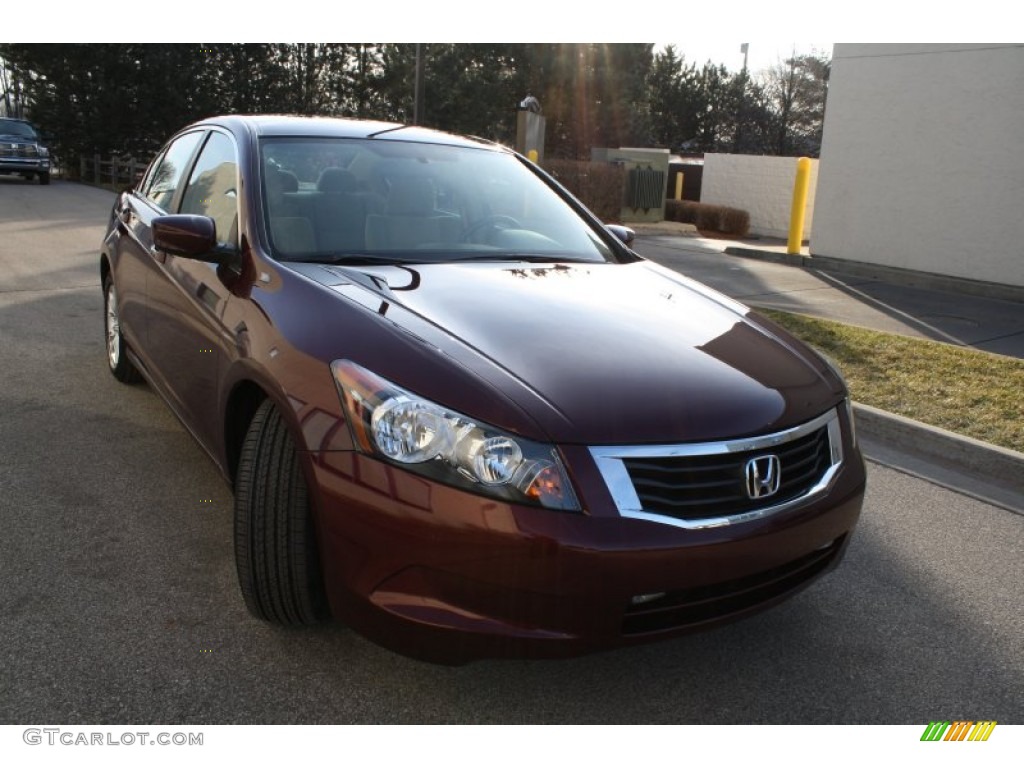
(337, 180)
(281, 181)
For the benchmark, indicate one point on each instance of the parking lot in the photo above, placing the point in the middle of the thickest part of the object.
(120, 602)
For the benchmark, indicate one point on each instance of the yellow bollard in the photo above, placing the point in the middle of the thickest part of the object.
(796, 216)
(679, 186)
(532, 154)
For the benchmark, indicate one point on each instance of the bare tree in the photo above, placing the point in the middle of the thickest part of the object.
(11, 89)
(795, 91)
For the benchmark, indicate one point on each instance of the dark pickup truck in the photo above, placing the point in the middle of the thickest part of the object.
(22, 151)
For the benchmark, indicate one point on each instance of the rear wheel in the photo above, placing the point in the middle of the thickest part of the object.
(275, 544)
(117, 358)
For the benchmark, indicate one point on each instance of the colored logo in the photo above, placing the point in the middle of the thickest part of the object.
(958, 730)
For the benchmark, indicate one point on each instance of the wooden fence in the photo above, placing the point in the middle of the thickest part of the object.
(115, 173)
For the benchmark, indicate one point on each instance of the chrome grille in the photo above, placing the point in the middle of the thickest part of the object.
(699, 487)
(704, 485)
(18, 150)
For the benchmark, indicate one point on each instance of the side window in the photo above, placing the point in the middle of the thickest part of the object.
(211, 190)
(170, 169)
(147, 180)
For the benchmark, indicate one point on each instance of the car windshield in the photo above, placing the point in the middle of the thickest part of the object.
(382, 200)
(16, 128)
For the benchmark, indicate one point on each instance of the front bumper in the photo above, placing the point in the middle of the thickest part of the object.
(24, 165)
(443, 575)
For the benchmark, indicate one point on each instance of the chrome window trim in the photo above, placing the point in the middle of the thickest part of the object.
(609, 461)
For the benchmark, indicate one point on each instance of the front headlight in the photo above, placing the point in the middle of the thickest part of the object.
(396, 425)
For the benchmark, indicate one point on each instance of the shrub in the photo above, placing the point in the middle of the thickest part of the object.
(599, 186)
(684, 211)
(735, 222)
(712, 218)
(708, 217)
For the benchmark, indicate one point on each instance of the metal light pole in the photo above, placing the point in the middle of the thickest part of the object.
(744, 49)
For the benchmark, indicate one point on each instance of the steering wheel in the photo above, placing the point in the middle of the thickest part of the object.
(496, 221)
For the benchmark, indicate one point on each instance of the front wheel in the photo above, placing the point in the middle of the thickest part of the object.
(275, 544)
(44, 178)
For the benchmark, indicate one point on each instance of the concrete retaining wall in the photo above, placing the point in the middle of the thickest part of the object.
(762, 186)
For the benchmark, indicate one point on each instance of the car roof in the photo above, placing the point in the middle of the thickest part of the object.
(335, 127)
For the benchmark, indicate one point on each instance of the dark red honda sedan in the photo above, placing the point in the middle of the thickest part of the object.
(459, 413)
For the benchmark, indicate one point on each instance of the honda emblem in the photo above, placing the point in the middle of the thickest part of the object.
(763, 475)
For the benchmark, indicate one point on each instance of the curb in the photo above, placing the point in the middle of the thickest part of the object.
(662, 228)
(989, 463)
(776, 257)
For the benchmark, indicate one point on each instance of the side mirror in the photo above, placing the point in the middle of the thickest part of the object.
(187, 235)
(625, 234)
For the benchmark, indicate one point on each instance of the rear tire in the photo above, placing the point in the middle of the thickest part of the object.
(117, 358)
(275, 543)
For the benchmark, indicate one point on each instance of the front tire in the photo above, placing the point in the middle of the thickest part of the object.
(117, 358)
(275, 543)
(44, 178)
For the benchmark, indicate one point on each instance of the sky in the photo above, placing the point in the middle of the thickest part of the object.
(719, 26)
(760, 55)
(701, 31)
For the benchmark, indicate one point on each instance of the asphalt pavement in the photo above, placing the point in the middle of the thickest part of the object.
(120, 602)
(758, 279)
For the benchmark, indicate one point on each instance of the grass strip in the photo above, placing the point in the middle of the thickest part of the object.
(973, 393)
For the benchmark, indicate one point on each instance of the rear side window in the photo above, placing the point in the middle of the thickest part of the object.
(212, 187)
(168, 173)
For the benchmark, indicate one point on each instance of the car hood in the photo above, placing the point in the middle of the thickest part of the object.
(601, 353)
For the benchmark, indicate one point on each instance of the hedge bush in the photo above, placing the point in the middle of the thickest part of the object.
(599, 186)
(711, 218)
(735, 222)
(684, 211)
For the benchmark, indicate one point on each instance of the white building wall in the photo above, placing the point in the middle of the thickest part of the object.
(922, 161)
(762, 186)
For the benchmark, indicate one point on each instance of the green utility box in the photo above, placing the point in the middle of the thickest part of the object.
(646, 180)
